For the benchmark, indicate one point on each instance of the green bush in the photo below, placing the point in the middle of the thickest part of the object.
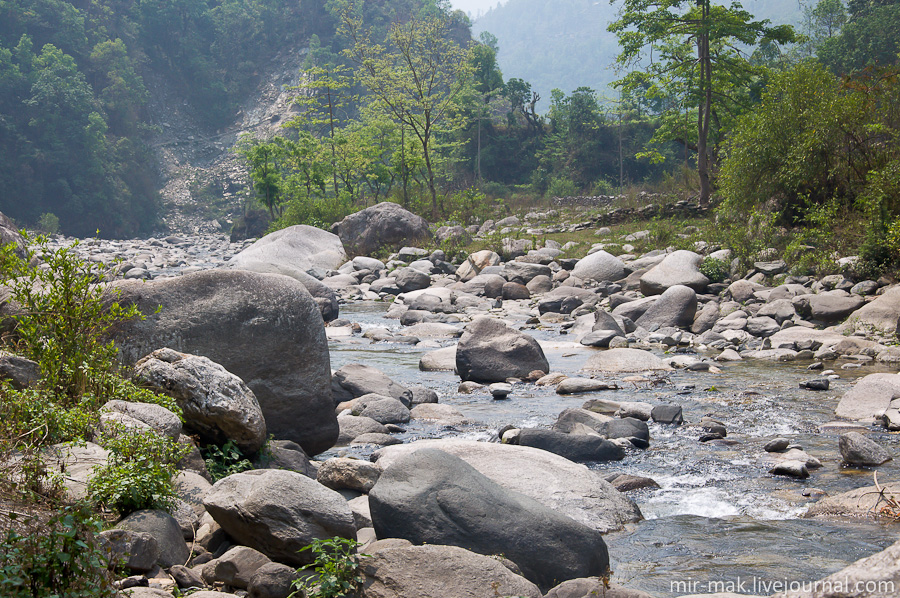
(562, 187)
(138, 473)
(715, 270)
(337, 570)
(224, 461)
(64, 318)
(60, 559)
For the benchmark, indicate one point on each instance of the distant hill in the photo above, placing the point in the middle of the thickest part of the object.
(564, 43)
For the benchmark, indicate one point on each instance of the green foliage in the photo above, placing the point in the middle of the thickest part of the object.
(224, 461)
(138, 473)
(48, 223)
(871, 37)
(337, 570)
(64, 319)
(715, 270)
(58, 559)
(470, 206)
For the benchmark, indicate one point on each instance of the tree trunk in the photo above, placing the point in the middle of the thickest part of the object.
(703, 113)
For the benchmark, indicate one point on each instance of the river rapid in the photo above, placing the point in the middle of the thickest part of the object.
(718, 519)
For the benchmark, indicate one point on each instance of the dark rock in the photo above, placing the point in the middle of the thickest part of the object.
(490, 351)
(816, 384)
(135, 551)
(272, 580)
(432, 497)
(856, 449)
(575, 447)
(667, 414)
(383, 225)
(625, 482)
(20, 372)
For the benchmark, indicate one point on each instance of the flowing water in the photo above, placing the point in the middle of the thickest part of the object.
(718, 516)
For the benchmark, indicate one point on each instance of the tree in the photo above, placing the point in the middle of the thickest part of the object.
(667, 28)
(416, 77)
(265, 162)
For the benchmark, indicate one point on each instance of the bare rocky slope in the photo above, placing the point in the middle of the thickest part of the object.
(202, 183)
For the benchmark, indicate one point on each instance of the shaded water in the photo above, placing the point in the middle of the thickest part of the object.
(718, 515)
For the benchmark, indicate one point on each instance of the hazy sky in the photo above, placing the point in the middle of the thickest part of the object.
(474, 6)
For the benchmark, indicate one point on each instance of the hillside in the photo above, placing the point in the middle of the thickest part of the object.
(564, 43)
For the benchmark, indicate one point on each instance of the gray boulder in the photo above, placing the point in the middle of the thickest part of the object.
(342, 473)
(216, 403)
(432, 497)
(353, 426)
(20, 372)
(600, 266)
(298, 247)
(676, 306)
(383, 225)
(856, 504)
(594, 587)
(403, 571)
(278, 512)
(410, 279)
(831, 306)
(324, 296)
(355, 380)
(134, 551)
(856, 449)
(574, 447)
(881, 315)
(678, 268)
(562, 485)
(156, 417)
(490, 351)
(384, 410)
(263, 328)
(524, 272)
(236, 567)
(165, 530)
(272, 580)
(475, 263)
(869, 398)
(565, 300)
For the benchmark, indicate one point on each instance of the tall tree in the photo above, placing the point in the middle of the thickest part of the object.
(416, 76)
(666, 27)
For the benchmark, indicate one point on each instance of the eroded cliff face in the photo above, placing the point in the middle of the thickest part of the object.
(201, 180)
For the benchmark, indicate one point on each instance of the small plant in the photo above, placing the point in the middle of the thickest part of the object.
(224, 461)
(138, 473)
(59, 558)
(337, 573)
(714, 269)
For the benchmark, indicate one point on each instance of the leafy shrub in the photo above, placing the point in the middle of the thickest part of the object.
(60, 559)
(562, 187)
(714, 269)
(471, 206)
(224, 461)
(64, 319)
(337, 570)
(138, 473)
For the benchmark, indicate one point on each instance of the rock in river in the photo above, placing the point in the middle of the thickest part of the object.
(490, 351)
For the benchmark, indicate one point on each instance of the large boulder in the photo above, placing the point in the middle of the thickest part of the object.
(562, 485)
(475, 263)
(600, 266)
(324, 296)
(861, 503)
(490, 351)
(9, 233)
(402, 571)
(165, 530)
(625, 360)
(881, 315)
(675, 307)
(299, 247)
(679, 268)
(565, 300)
(263, 328)
(869, 398)
(383, 225)
(857, 449)
(830, 306)
(216, 403)
(433, 497)
(278, 512)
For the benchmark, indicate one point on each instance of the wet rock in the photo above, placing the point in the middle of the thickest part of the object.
(384, 410)
(422, 395)
(582, 385)
(429, 571)
(816, 384)
(574, 447)
(432, 497)
(383, 225)
(490, 351)
(624, 482)
(856, 449)
(864, 502)
(278, 512)
(777, 445)
(791, 468)
(667, 414)
(216, 404)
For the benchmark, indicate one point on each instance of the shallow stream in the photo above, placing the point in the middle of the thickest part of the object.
(718, 516)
